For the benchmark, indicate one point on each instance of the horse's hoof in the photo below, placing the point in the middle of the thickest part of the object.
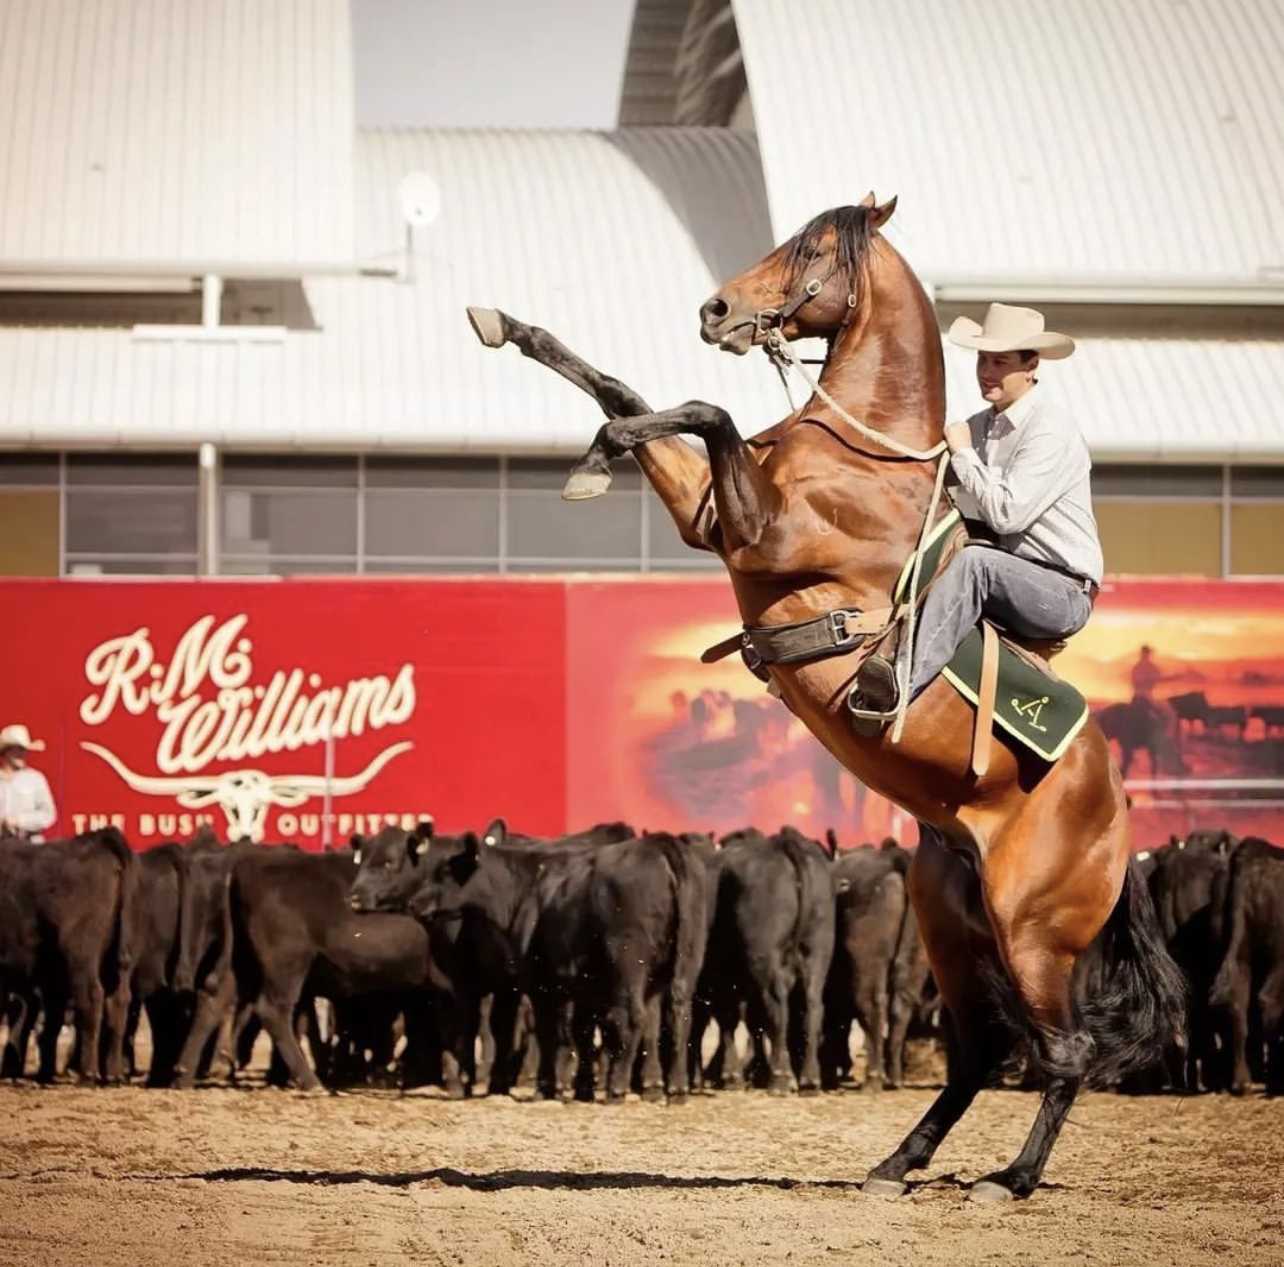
(584, 485)
(488, 326)
(988, 1190)
(876, 1187)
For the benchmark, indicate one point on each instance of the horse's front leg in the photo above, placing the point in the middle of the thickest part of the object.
(743, 497)
(679, 474)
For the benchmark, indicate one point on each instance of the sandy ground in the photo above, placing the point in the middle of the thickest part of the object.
(230, 1176)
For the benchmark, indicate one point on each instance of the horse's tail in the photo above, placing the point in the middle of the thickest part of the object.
(1131, 993)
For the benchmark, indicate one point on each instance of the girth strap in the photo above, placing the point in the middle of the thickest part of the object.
(835, 633)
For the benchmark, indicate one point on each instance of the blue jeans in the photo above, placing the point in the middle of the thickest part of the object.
(1031, 601)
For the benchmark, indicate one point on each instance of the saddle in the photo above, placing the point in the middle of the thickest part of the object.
(861, 633)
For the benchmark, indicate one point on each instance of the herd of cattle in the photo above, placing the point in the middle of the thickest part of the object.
(590, 963)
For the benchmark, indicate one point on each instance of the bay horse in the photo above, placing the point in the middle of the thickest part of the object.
(1038, 930)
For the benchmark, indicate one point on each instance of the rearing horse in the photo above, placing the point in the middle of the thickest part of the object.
(1036, 927)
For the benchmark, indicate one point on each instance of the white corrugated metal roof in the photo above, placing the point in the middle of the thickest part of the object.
(173, 131)
(1138, 399)
(1054, 139)
(612, 241)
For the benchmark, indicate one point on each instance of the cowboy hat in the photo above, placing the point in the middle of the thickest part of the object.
(16, 736)
(1009, 329)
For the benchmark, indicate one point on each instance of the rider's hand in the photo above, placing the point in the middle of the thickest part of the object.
(958, 435)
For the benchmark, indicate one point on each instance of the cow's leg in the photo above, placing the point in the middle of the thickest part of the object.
(116, 1006)
(870, 997)
(775, 983)
(726, 1069)
(625, 1020)
(814, 970)
(211, 1007)
(547, 1017)
(1270, 999)
(459, 1064)
(503, 1022)
(1235, 1002)
(275, 1008)
(87, 998)
(585, 1027)
(54, 995)
(651, 1079)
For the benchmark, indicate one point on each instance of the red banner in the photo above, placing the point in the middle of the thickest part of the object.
(258, 706)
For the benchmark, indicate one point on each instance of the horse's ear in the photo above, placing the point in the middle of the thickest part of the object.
(879, 216)
(868, 201)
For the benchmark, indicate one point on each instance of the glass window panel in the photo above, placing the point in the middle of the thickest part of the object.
(1157, 480)
(87, 565)
(1257, 481)
(128, 521)
(292, 470)
(290, 523)
(1257, 540)
(663, 542)
(552, 473)
(533, 566)
(543, 526)
(415, 472)
(123, 470)
(28, 468)
(269, 566)
(1161, 538)
(388, 567)
(438, 523)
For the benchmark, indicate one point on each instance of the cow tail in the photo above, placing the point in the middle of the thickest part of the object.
(691, 909)
(129, 910)
(815, 886)
(1222, 991)
(906, 960)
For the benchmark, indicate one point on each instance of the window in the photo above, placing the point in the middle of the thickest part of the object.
(132, 514)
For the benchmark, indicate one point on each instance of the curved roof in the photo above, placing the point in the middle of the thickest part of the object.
(610, 240)
(150, 132)
(1081, 138)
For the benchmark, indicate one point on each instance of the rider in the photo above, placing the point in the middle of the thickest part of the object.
(1022, 469)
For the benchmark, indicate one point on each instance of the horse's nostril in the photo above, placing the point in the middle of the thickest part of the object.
(716, 309)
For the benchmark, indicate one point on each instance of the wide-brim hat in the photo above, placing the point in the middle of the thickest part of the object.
(16, 736)
(1010, 329)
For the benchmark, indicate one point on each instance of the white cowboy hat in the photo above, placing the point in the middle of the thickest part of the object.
(1009, 329)
(16, 736)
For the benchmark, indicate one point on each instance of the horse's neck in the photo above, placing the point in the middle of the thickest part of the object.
(886, 368)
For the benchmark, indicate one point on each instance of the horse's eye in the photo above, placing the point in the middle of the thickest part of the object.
(811, 252)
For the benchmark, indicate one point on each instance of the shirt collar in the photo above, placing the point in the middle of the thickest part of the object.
(1019, 410)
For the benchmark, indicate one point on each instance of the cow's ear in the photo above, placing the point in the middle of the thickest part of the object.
(496, 833)
(471, 844)
(424, 829)
(842, 885)
(1142, 854)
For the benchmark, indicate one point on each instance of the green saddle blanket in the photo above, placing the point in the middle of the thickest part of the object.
(1043, 713)
(1040, 712)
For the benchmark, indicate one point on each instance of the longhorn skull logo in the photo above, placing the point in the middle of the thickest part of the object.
(245, 795)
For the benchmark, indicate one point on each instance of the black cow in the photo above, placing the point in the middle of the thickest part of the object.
(589, 933)
(156, 948)
(1253, 918)
(294, 937)
(67, 911)
(880, 969)
(1187, 883)
(770, 947)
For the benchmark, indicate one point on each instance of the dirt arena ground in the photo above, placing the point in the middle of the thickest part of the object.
(229, 1177)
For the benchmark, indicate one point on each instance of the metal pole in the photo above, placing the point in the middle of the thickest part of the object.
(207, 525)
(327, 818)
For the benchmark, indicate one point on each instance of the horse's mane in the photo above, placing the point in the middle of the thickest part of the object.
(853, 236)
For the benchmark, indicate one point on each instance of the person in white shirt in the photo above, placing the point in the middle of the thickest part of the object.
(1022, 469)
(26, 803)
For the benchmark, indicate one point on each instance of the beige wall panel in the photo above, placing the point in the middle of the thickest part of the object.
(1161, 538)
(29, 533)
(1257, 539)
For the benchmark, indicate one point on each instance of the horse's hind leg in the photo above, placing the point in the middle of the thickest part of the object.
(964, 959)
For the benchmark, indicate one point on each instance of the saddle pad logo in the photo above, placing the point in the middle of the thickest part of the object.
(1031, 710)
